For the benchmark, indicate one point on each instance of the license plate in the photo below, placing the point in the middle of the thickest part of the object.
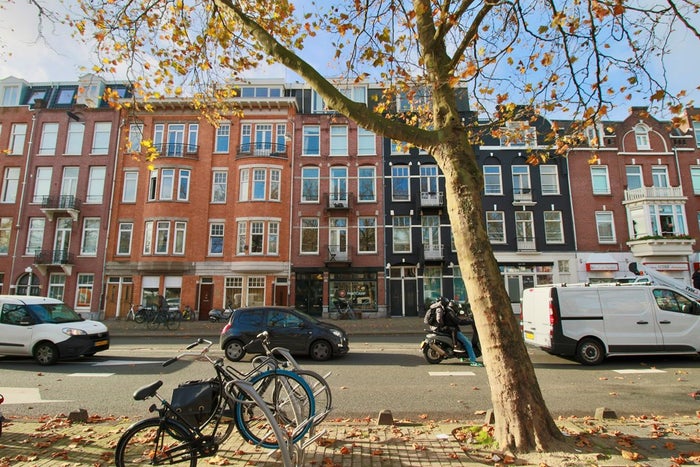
(101, 343)
(529, 335)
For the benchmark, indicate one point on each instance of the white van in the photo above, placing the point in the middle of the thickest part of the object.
(47, 329)
(595, 322)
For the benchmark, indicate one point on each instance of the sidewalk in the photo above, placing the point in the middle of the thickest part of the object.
(590, 442)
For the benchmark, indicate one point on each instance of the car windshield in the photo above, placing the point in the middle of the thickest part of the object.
(54, 313)
(313, 319)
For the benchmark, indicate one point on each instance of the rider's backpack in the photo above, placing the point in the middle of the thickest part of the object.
(431, 318)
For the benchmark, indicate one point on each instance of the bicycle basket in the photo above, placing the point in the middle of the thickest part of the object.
(195, 401)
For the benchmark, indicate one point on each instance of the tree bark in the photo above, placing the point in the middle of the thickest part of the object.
(522, 421)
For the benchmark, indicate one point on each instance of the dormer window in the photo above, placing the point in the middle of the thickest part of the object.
(36, 95)
(261, 91)
(641, 136)
(65, 96)
(415, 100)
(10, 95)
(518, 134)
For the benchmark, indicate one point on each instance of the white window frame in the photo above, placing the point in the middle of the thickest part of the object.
(10, 185)
(366, 228)
(641, 137)
(162, 241)
(553, 227)
(273, 237)
(401, 224)
(216, 231)
(18, 136)
(49, 137)
(74, 139)
(148, 238)
(222, 139)
(131, 183)
(126, 233)
(219, 186)
(90, 236)
(338, 140)
(311, 133)
(135, 137)
(305, 179)
(549, 179)
(600, 172)
(602, 219)
(634, 172)
(96, 185)
(491, 172)
(179, 237)
(366, 178)
(308, 227)
(183, 184)
(100, 138)
(167, 184)
(35, 235)
(42, 187)
(366, 142)
(496, 226)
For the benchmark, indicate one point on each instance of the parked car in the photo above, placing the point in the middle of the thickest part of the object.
(287, 327)
(47, 329)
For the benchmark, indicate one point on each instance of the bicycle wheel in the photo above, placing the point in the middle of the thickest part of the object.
(153, 323)
(154, 441)
(172, 320)
(323, 401)
(288, 397)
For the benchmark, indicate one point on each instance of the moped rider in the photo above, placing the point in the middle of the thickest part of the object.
(448, 320)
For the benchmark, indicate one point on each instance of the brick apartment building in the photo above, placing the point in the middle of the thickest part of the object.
(288, 203)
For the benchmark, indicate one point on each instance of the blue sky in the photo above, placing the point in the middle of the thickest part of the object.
(61, 58)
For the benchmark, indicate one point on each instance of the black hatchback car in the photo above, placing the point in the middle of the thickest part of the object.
(287, 327)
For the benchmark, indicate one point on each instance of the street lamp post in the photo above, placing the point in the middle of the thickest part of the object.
(28, 270)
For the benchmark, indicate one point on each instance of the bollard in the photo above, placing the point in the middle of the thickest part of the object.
(385, 418)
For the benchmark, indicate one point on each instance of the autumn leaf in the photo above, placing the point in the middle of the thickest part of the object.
(632, 456)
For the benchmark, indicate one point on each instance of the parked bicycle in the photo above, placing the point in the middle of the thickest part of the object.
(344, 309)
(144, 314)
(171, 319)
(272, 405)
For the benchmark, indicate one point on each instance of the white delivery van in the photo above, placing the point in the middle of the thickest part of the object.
(47, 329)
(592, 322)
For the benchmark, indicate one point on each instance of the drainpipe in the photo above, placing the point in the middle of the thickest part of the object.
(21, 200)
(291, 212)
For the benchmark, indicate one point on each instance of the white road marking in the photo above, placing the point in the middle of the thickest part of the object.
(451, 373)
(24, 396)
(646, 370)
(125, 362)
(91, 375)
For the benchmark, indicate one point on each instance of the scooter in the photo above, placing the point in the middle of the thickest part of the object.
(439, 345)
(217, 314)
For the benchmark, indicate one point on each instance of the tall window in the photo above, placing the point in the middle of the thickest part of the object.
(218, 189)
(400, 183)
(259, 182)
(696, 130)
(599, 180)
(10, 184)
(338, 185)
(243, 184)
(57, 286)
(524, 229)
(180, 235)
(135, 137)
(129, 190)
(432, 283)
(74, 140)
(634, 177)
(605, 226)
(49, 134)
(428, 179)
(273, 236)
(496, 226)
(246, 137)
(192, 137)
(242, 238)
(83, 298)
(257, 234)
(263, 138)
(695, 178)
(366, 185)
(69, 182)
(309, 235)
(148, 238)
(367, 235)
(521, 180)
(401, 234)
(17, 138)
(35, 235)
(549, 179)
(167, 177)
(176, 140)
(553, 227)
(91, 235)
(216, 238)
(162, 237)
(42, 186)
(100, 139)
(339, 140)
(641, 136)
(96, 185)
(309, 184)
(183, 185)
(366, 142)
(311, 145)
(126, 231)
(5, 234)
(223, 133)
(659, 176)
(493, 184)
(281, 138)
(430, 233)
(275, 176)
(10, 96)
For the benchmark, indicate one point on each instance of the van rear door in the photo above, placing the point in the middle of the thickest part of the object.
(535, 313)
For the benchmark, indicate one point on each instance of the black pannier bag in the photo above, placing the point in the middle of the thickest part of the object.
(195, 401)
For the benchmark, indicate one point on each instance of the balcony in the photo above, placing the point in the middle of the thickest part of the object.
(262, 150)
(45, 258)
(338, 200)
(187, 151)
(432, 199)
(661, 246)
(526, 244)
(338, 255)
(432, 252)
(654, 193)
(523, 197)
(61, 204)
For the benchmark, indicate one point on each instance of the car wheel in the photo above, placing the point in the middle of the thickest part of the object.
(320, 351)
(590, 351)
(234, 350)
(45, 353)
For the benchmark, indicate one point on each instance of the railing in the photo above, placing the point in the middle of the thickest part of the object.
(432, 251)
(526, 244)
(338, 200)
(177, 150)
(338, 253)
(262, 149)
(654, 192)
(522, 195)
(432, 198)
(54, 257)
(61, 202)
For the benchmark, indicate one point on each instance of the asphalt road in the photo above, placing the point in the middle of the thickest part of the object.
(380, 373)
